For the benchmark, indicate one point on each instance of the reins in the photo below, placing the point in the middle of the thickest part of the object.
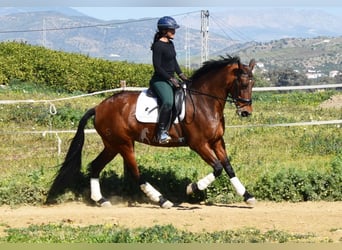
(229, 98)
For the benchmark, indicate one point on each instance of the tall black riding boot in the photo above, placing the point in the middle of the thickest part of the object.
(164, 125)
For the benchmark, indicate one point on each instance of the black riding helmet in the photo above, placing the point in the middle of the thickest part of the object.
(167, 22)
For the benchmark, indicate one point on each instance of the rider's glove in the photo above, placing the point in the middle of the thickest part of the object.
(174, 82)
(183, 77)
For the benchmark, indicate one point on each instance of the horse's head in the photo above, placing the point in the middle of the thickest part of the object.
(242, 90)
(228, 74)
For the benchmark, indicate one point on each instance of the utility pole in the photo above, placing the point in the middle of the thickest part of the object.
(205, 33)
(187, 50)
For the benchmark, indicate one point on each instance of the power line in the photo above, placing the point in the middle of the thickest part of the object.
(76, 27)
(89, 26)
(222, 24)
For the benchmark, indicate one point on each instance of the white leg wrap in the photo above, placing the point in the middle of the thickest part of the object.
(206, 181)
(150, 191)
(240, 189)
(95, 189)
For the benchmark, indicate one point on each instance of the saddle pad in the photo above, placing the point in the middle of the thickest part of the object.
(147, 109)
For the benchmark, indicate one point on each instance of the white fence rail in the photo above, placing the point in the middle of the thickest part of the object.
(256, 89)
(59, 141)
(52, 107)
(294, 124)
(287, 88)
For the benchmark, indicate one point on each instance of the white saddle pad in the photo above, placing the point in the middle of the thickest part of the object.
(147, 109)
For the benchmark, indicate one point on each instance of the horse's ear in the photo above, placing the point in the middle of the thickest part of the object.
(252, 64)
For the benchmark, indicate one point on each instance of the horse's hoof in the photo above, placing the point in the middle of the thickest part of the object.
(164, 203)
(248, 198)
(104, 203)
(167, 204)
(191, 188)
(251, 201)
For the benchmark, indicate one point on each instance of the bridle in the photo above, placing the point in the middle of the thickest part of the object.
(236, 98)
(230, 98)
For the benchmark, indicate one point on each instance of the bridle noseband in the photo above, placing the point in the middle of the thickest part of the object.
(236, 98)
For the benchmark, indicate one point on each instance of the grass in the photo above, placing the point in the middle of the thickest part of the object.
(62, 233)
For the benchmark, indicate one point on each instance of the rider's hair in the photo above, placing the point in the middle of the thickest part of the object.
(157, 36)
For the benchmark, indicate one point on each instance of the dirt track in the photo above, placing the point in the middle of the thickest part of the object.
(324, 219)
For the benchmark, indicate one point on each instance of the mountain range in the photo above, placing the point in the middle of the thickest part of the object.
(66, 29)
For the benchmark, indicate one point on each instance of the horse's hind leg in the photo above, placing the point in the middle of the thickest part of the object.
(127, 153)
(95, 169)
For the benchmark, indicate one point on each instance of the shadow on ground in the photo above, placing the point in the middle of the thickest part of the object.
(124, 188)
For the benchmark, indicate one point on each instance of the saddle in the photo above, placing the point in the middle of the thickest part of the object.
(147, 106)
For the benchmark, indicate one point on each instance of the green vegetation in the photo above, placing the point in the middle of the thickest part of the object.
(62, 233)
(66, 71)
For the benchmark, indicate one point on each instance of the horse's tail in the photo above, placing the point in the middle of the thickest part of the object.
(70, 170)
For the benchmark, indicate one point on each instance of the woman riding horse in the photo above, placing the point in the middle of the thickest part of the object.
(163, 80)
(202, 129)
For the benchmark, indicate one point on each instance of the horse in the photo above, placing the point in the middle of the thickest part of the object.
(202, 129)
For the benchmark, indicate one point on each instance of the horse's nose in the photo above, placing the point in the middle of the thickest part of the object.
(244, 113)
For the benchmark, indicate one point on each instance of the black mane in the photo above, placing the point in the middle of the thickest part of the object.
(214, 65)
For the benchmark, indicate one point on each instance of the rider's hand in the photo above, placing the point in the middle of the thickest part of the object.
(183, 77)
(174, 82)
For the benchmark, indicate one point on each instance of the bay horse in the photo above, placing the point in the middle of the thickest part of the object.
(202, 129)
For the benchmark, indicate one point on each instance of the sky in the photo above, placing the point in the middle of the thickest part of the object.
(123, 13)
(108, 9)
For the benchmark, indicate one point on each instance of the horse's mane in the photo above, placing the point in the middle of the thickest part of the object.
(214, 65)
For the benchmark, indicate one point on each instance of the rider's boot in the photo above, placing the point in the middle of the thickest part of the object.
(164, 137)
(164, 125)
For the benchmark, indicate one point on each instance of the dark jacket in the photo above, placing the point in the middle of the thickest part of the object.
(164, 61)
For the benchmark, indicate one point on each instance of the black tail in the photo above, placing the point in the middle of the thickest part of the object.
(70, 170)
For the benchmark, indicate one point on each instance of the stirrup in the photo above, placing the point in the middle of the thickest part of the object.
(164, 138)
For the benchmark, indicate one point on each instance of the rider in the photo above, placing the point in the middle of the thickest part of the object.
(163, 80)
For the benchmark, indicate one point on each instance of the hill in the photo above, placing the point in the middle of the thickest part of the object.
(276, 38)
(124, 40)
(320, 55)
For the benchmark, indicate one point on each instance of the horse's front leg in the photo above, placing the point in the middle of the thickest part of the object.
(239, 187)
(220, 151)
(209, 157)
(218, 159)
(203, 183)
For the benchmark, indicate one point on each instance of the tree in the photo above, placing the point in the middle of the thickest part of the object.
(287, 77)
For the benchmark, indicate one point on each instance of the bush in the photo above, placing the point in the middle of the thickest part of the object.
(67, 71)
(301, 185)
